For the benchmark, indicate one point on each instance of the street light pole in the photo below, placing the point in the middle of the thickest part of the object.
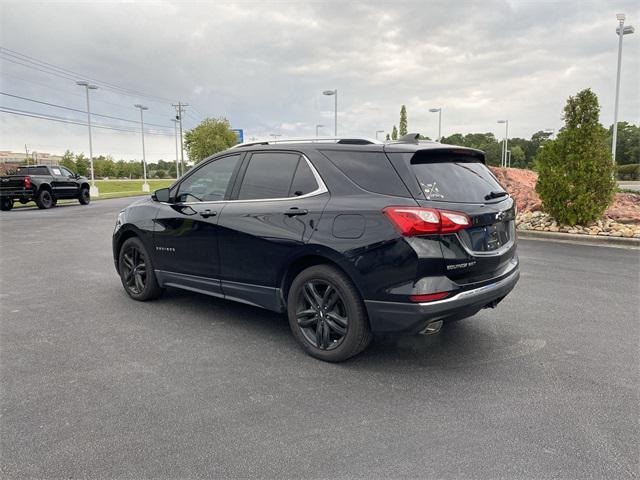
(439, 110)
(317, 127)
(505, 144)
(621, 31)
(175, 136)
(145, 185)
(335, 109)
(93, 190)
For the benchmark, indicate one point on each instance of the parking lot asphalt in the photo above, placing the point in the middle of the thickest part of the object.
(97, 385)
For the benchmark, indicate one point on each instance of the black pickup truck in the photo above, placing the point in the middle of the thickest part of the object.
(44, 185)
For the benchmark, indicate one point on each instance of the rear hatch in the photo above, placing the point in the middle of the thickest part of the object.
(456, 179)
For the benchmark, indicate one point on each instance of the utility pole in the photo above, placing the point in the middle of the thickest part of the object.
(175, 137)
(26, 154)
(179, 109)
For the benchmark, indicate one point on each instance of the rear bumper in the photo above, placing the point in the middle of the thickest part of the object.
(16, 193)
(397, 317)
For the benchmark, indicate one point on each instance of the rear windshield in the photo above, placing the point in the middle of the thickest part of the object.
(32, 171)
(448, 177)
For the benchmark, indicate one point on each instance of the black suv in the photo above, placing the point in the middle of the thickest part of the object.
(350, 237)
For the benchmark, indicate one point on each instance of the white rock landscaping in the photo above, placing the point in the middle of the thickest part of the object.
(543, 222)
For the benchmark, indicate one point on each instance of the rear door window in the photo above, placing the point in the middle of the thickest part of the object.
(303, 181)
(371, 171)
(32, 171)
(268, 175)
(452, 177)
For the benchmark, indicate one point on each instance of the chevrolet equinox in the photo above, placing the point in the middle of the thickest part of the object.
(350, 237)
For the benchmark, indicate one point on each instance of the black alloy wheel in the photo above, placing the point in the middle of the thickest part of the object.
(136, 271)
(134, 274)
(85, 196)
(6, 204)
(327, 315)
(322, 315)
(44, 199)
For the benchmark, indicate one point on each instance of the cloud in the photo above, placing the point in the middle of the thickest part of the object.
(264, 65)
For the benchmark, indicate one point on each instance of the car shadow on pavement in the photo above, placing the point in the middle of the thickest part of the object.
(474, 342)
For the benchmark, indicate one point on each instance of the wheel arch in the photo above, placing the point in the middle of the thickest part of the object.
(127, 232)
(316, 257)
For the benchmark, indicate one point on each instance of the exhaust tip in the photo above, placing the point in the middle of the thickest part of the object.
(432, 328)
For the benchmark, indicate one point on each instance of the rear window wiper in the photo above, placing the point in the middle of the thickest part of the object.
(496, 194)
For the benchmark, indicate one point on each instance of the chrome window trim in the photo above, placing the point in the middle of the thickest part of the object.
(322, 188)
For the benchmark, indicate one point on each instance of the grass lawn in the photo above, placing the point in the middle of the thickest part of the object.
(118, 188)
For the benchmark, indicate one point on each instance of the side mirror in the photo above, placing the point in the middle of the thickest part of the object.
(161, 195)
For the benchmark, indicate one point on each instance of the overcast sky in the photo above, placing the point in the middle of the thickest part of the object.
(264, 65)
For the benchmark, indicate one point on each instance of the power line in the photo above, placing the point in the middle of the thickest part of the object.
(55, 118)
(67, 92)
(78, 110)
(70, 75)
(17, 57)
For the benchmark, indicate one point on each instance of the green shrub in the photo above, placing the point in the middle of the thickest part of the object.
(629, 172)
(576, 170)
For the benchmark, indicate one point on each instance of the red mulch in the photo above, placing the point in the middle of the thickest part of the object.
(521, 184)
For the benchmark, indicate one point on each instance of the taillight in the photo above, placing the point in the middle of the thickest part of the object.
(27, 182)
(425, 221)
(428, 297)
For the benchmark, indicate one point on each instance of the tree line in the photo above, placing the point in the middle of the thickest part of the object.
(107, 167)
(524, 151)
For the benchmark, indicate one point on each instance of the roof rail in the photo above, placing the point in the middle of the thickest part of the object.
(334, 140)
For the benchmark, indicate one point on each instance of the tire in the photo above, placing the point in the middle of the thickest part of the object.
(84, 197)
(139, 283)
(339, 329)
(44, 199)
(6, 204)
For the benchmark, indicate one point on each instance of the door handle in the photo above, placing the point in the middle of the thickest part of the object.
(208, 213)
(293, 211)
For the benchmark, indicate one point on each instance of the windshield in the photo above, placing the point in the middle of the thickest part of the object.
(448, 178)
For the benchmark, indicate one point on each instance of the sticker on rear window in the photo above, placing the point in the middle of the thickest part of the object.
(431, 191)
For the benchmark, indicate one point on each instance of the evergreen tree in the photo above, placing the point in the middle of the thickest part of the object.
(394, 133)
(576, 169)
(403, 120)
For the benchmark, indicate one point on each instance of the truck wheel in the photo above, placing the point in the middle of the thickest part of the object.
(327, 315)
(136, 271)
(6, 204)
(84, 197)
(44, 199)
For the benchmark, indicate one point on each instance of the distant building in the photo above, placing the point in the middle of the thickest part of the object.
(40, 158)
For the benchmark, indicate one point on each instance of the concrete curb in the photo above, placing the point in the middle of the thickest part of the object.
(577, 238)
